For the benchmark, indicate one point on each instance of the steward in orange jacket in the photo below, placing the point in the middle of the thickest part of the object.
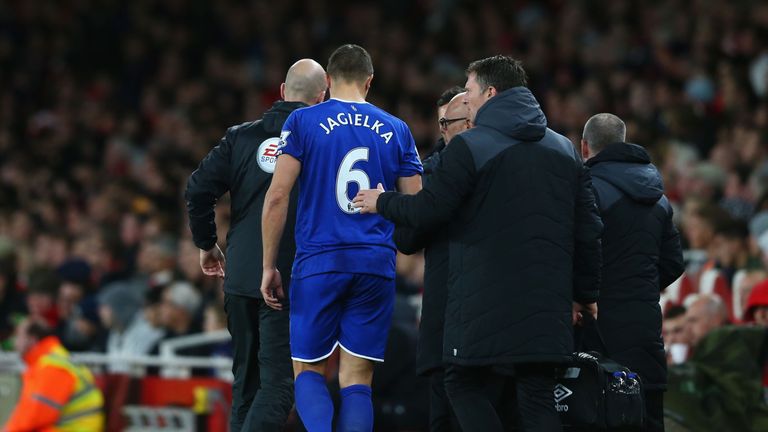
(56, 395)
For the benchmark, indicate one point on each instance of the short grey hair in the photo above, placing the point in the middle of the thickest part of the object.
(603, 129)
(185, 296)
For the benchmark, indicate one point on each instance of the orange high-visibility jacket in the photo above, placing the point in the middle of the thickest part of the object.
(56, 394)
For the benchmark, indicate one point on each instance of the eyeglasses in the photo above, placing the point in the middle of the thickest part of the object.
(444, 122)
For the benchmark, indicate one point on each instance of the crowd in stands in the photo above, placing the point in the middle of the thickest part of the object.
(106, 108)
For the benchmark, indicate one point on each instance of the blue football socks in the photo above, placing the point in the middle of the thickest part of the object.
(356, 413)
(313, 402)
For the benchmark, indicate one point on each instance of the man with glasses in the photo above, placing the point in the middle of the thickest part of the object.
(456, 118)
(453, 119)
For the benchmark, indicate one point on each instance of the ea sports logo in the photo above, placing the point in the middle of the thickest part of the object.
(267, 157)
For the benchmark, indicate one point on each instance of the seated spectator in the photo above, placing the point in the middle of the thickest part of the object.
(129, 332)
(41, 296)
(756, 310)
(179, 309)
(730, 247)
(675, 334)
(705, 313)
(79, 324)
(11, 300)
(157, 260)
(758, 225)
(214, 319)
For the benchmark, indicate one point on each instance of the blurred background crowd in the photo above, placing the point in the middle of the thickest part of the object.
(107, 106)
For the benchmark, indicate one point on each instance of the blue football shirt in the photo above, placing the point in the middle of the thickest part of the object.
(344, 147)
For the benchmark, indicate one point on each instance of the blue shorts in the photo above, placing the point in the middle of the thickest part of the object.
(348, 309)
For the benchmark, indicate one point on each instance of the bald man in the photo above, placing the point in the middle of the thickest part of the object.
(453, 119)
(243, 163)
(456, 118)
(706, 313)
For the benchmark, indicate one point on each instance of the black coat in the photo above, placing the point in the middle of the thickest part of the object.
(429, 354)
(524, 235)
(641, 257)
(241, 165)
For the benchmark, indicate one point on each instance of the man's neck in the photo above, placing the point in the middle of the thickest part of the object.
(348, 92)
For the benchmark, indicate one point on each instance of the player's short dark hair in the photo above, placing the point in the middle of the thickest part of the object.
(350, 63)
(39, 330)
(674, 312)
(500, 71)
(449, 94)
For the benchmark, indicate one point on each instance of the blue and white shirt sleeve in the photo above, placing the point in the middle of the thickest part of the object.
(410, 164)
(290, 139)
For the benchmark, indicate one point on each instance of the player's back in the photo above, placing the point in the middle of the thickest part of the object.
(343, 147)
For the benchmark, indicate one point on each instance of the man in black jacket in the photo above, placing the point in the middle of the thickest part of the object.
(524, 247)
(242, 164)
(641, 255)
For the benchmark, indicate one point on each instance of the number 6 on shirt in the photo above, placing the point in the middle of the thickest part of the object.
(347, 175)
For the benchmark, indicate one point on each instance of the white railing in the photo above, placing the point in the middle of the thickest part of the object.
(170, 363)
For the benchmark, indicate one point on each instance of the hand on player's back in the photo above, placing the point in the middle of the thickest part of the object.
(212, 262)
(366, 199)
(272, 288)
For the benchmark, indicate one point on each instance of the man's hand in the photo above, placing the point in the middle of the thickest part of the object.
(212, 262)
(366, 199)
(272, 288)
(579, 309)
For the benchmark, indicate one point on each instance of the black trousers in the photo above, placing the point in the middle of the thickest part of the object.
(654, 411)
(532, 386)
(262, 393)
(441, 418)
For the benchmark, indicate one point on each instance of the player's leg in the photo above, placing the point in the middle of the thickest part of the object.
(314, 328)
(365, 322)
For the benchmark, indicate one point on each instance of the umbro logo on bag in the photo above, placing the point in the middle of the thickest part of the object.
(561, 393)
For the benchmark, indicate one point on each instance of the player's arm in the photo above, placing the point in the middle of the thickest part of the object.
(204, 188)
(41, 407)
(273, 219)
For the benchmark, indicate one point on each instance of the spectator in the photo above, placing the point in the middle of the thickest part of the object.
(41, 296)
(756, 310)
(675, 334)
(179, 309)
(730, 248)
(214, 320)
(130, 334)
(157, 260)
(11, 300)
(705, 313)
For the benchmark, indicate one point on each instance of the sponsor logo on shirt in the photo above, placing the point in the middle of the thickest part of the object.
(267, 154)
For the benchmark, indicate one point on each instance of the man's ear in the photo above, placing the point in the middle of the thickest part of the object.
(368, 83)
(585, 149)
(282, 91)
(491, 92)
